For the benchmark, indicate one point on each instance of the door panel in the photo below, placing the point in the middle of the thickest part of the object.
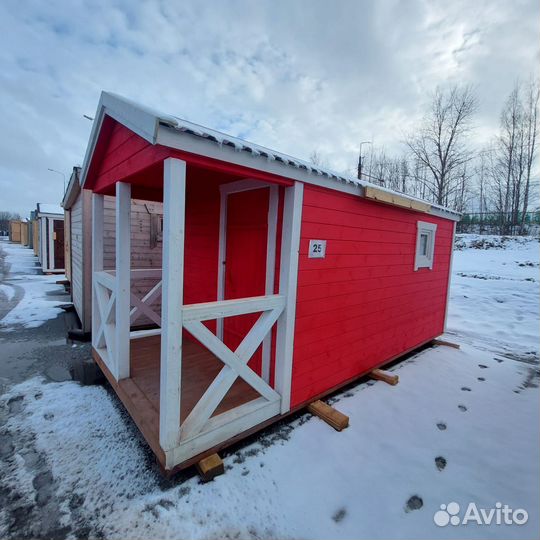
(245, 260)
(58, 243)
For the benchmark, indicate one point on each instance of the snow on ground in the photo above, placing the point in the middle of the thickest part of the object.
(462, 426)
(495, 291)
(7, 291)
(31, 292)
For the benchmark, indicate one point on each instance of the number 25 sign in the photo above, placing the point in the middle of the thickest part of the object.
(317, 249)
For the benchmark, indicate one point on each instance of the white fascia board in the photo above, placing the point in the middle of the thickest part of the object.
(54, 216)
(445, 213)
(187, 142)
(72, 192)
(180, 140)
(141, 120)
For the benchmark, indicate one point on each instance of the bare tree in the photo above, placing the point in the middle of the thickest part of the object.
(5, 218)
(316, 158)
(440, 142)
(514, 156)
(532, 99)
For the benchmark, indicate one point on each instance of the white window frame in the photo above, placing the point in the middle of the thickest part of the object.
(421, 260)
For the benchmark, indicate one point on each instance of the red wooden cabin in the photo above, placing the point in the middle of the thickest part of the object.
(280, 281)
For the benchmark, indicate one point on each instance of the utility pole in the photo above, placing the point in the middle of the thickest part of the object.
(359, 174)
(63, 176)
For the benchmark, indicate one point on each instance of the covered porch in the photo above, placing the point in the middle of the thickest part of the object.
(214, 359)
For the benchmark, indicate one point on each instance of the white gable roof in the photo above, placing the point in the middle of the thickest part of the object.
(46, 208)
(160, 128)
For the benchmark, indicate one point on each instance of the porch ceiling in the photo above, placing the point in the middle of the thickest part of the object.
(147, 184)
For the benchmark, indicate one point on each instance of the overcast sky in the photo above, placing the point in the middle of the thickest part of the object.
(292, 75)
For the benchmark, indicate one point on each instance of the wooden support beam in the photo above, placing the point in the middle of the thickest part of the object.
(392, 198)
(288, 277)
(174, 205)
(446, 343)
(380, 375)
(330, 415)
(210, 467)
(122, 280)
(97, 260)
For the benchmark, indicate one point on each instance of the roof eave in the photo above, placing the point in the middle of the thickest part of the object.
(158, 128)
(141, 120)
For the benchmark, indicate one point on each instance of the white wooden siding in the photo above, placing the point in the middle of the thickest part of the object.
(77, 256)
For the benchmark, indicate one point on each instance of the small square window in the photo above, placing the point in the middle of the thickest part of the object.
(425, 245)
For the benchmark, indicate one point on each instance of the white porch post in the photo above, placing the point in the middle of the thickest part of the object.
(288, 276)
(122, 279)
(174, 200)
(97, 259)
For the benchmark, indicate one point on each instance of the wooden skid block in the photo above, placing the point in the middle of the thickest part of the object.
(330, 415)
(445, 343)
(380, 375)
(210, 467)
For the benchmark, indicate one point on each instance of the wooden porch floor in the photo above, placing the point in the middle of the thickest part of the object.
(140, 392)
(199, 368)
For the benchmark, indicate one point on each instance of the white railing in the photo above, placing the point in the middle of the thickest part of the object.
(105, 297)
(103, 338)
(235, 362)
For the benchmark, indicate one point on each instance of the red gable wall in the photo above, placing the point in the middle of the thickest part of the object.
(363, 304)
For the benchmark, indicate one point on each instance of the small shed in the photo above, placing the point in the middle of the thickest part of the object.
(15, 226)
(50, 252)
(31, 228)
(146, 240)
(35, 233)
(24, 232)
(280, 281)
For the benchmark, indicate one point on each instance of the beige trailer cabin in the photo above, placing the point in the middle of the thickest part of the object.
(35, 235)
(50, 219)
(24, 232)
(146, 233)
(15, 231)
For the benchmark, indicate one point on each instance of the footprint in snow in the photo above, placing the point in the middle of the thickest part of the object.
(462, 408)
(481, 378)
(441, 426)
(483, 366)
(414, 503)
(440, 463)
(339, 515)
(465, 388)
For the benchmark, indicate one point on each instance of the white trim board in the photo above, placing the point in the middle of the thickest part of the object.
(273, 203)
(288, 279)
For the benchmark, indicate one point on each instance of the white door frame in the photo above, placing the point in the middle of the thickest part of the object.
(273, 203)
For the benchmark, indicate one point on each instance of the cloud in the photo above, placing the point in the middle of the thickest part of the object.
(295, 76)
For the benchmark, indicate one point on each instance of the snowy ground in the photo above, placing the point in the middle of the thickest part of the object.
(26, 295)
(462, 426)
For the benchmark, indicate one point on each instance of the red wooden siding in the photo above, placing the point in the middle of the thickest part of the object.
(120, 153)
(201, 241)
(363, 304)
